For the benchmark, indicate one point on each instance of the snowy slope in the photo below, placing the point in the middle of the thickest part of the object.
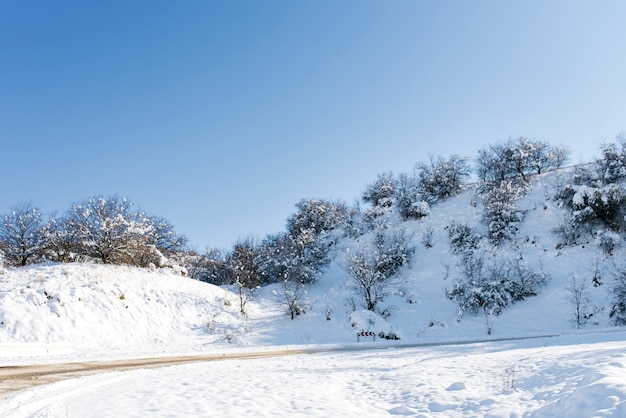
(96, 310)
(69, 312)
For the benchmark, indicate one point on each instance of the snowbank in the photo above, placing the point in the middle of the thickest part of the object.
(94, 309)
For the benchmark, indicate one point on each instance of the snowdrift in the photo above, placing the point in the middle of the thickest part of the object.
(96, 308)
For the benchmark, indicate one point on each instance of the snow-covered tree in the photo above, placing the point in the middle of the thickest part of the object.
(22, 234)
(494, 163)
(293, 292)
(618, 302)
(374, 265)
(61, 245)
(577, 296)
(164, 237)
(500, 211)
(408, 199)
(517, 159)
(318, 215)
(108, 230)
(243, 270)
(283, 260)
(611, 167)
(382, 192)
(440, 178)
(209, 267)
(311, 235)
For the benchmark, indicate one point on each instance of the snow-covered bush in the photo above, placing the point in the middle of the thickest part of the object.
(382, 192)
(417, 210)
(462, 238)
(525, 281)
(567, 233)
(396, 249)
(440, 178)
(409, 200)
(489, 286)
(427, 236)
(372, 323)
(480, 288)
(595, 206)
(607, 241)
(611, 168)
(618, 301)
(500, 211)
(596, 196)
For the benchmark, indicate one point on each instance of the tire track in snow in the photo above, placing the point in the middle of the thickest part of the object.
(18, 378)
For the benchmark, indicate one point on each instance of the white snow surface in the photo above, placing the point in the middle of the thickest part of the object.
(78, 312)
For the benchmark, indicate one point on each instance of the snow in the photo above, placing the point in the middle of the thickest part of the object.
(79, 312)
(539, 378)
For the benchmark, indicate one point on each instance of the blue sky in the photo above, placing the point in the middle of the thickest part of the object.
(221, 115)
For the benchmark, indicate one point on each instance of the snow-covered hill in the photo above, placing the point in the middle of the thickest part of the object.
(68, 312)
(95, 310)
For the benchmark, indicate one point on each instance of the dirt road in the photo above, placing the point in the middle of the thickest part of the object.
(16, 378)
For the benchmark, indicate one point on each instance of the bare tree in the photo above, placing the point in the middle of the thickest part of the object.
(577, 290)
(375, 267)
(372, 285)
(293, 293)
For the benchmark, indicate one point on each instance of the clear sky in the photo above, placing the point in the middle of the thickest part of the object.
(221, 115)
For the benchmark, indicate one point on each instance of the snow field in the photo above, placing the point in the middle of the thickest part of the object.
(537, 378)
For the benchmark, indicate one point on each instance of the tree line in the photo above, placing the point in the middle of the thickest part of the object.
(100, 229)
(111, 230)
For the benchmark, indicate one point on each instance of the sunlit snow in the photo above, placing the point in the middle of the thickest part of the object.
(76, 312)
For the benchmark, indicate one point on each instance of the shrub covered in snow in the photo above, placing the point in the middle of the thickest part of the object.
(607, 241)
(440, 178)
(611, 167)
(409, 200)
(592, 206)
(618, 301)
(500, 211)
(463, 240)
(489, 286)
(381, 192)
